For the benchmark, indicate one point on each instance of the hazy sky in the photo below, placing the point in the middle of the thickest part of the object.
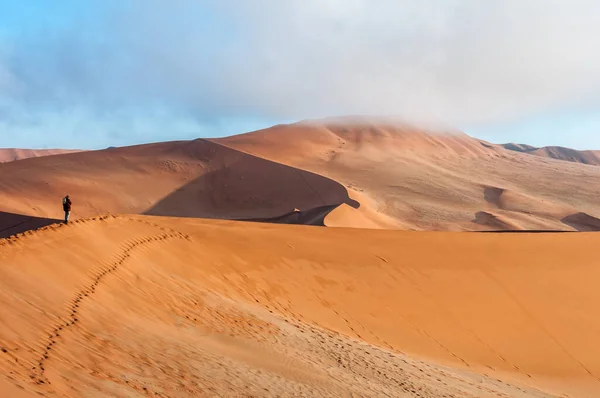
(90, 74)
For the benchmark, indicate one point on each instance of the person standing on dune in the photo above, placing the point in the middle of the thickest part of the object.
(67, 208)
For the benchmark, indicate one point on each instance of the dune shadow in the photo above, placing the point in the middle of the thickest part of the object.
(582, 222)
(12, 223)
(494, 221)
(315, 216)
(492, 195)
(240, 186)
(500, 226)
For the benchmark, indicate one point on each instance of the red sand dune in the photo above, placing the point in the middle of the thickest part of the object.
(188, 178)
(419, 179)
(155, 306)
(389, 175)
(137, 305)
(12, 154)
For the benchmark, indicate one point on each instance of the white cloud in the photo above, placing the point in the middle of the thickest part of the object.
(459, 61)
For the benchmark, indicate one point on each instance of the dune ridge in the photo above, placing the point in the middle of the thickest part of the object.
(184, 179)
(471, 318)
(158, 288)
(559, 153)
(430, 180)
(13, 224)
(371, 173)
(13, 154)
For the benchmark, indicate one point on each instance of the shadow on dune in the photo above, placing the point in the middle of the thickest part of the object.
(493, 195)
(12, 224)
(582, 222)
(493, 221)
(315, 216)
(240, 186)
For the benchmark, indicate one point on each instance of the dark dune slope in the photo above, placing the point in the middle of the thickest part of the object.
(186, 178)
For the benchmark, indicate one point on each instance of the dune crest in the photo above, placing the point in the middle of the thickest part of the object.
(206, 293)
(152, 305)
(346, 172)
(12, 224)
(12, 154)
(185, 179)
(428, 180)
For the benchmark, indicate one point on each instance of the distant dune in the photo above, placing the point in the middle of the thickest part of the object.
(153, 306)
(386, 174)
(519, 147)
(12, 154)
(559, 153)
(411, 178)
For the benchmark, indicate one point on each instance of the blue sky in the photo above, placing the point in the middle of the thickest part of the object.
(92, 74)
(574, 128)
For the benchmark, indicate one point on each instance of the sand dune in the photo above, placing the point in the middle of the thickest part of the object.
(132, 306)
(559, 153)
(188, 179)
(389, 175)
(496, 221)
(519, 147)
(12, 154)
(179, 305)
(428, 180)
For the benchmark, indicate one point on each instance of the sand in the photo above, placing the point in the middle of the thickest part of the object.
(131, 306)
(432, 180)
(177, 299)
(362, 174)
(184, 179)
(12, 154)
(557, 152)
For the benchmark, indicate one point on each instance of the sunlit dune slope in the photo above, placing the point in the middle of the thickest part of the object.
(12, 154)
(420, 179)
(187, 178)
(184, 307)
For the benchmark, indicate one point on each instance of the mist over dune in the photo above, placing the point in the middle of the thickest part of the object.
(425, 179)
(300, 198)
(387, 174)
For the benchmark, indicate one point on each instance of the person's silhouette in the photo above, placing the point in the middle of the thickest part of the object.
(67, 208)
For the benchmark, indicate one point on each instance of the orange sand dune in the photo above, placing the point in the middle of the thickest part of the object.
(421, 179)
(558, 152)
(138, 306)
(12, 154)
(389, 175)
(188, 178)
